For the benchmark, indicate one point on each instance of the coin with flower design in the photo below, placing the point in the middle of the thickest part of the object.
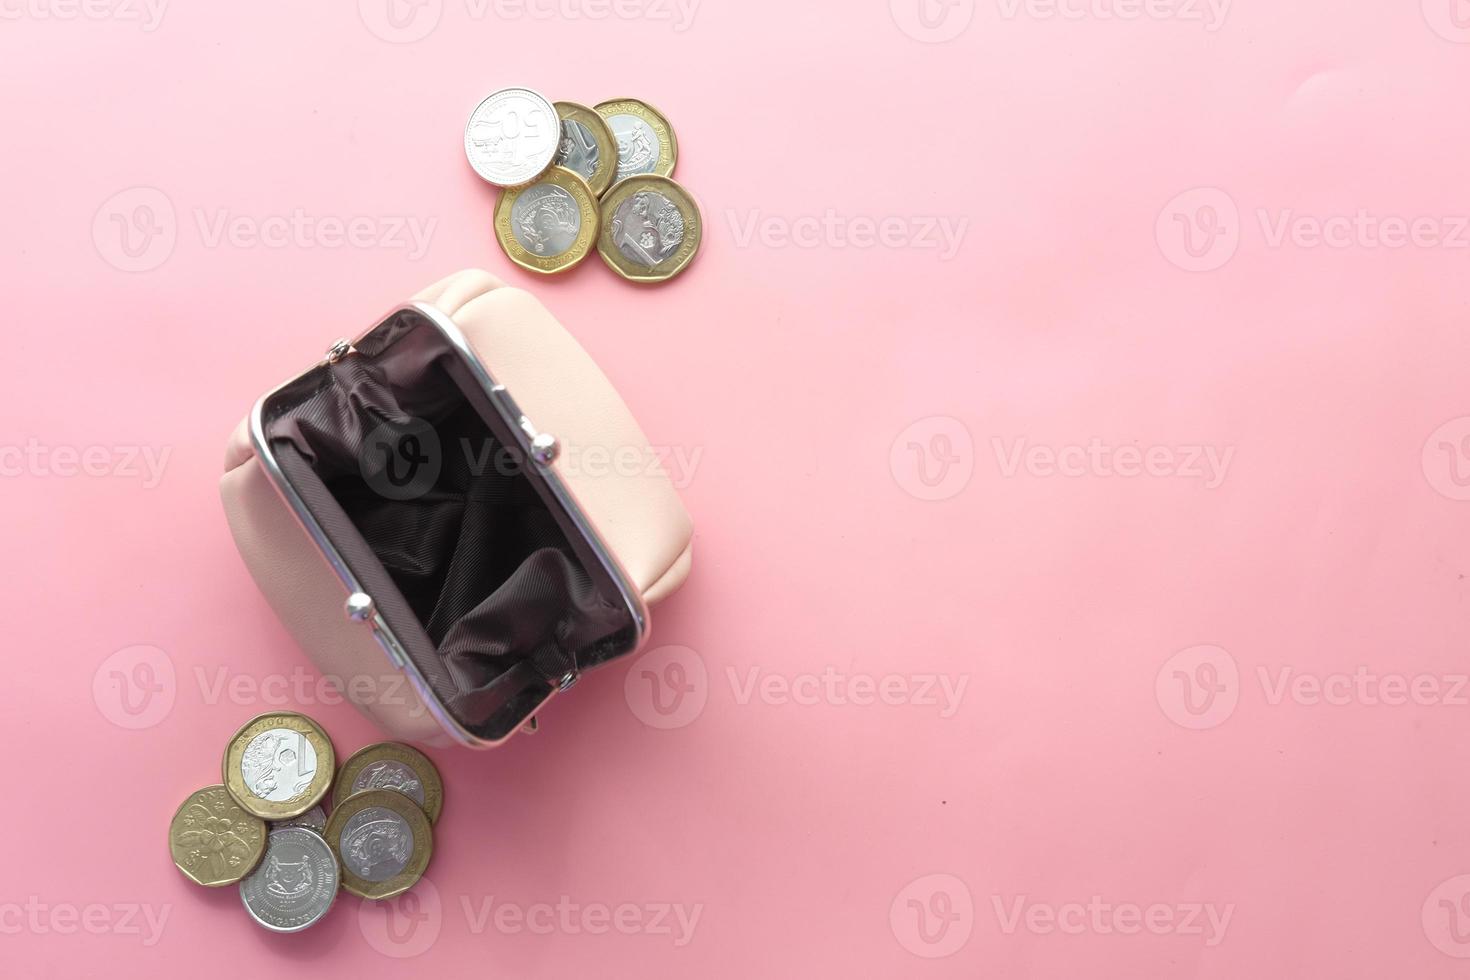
(213, 840)
(279, 765)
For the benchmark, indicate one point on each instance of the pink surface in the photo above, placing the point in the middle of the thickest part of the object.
(1080, 594)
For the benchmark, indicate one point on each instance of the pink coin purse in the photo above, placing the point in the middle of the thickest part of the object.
(411, 504)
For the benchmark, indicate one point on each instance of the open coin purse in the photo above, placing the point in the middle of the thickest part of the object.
(423, 501)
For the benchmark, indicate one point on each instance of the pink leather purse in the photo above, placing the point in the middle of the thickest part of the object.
(411, 503)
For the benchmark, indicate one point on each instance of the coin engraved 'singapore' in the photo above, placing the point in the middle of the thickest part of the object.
(295, 883)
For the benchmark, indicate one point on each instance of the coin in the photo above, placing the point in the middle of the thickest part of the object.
(212, 840)
(295, 884)
(587, 146)
(650, 229)
(383, 840)
(279, 765)
(646, 143)
(313, 819)
(512, 136)
(395, 766)
(548, 226)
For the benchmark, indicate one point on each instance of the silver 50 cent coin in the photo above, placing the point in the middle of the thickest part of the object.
(295, 883)
(512, 136)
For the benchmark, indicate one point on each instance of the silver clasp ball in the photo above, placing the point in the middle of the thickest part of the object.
(544, 447)
(359, 607)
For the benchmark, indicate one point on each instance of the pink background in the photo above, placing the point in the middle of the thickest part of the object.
(1122, 738)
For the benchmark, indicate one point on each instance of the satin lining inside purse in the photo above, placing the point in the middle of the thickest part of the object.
(424, 490)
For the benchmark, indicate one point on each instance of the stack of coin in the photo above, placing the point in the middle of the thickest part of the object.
(265, 829)
(573, 176)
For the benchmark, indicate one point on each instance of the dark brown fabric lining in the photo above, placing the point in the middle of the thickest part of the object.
(392, 453)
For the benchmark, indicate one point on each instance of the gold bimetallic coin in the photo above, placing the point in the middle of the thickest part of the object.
(279, 765)
(587, 146)
(651, 229)
(646, 142)
(550, 225)
(212, 840)
(395, 766)
(383, 841)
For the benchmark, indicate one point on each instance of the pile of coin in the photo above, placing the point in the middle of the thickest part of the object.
(572, 176)
(264, 827)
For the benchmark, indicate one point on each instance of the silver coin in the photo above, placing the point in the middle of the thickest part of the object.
(578, 150)
(278, 765)
(296, 881)
(512, 137)
(648, 228)
(546, 220)
(376, 844)
(637, 145)
(390, 774)
(313, 819)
